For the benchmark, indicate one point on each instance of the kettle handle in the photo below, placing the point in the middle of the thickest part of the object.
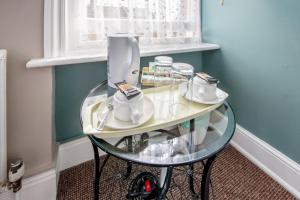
(135, 61)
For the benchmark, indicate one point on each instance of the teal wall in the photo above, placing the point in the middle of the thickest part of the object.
(259, 65)
(73, 82)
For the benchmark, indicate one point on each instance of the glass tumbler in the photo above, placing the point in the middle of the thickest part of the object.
(162, 86)
(182, 80)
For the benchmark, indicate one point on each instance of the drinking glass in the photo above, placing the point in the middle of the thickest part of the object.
(162, 85)
(182, 80)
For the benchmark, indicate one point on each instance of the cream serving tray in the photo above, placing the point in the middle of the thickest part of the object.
(161, 119)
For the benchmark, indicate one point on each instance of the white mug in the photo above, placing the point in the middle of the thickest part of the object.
(128, 110)
(204, 90)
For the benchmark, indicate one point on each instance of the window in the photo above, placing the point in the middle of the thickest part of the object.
(82, 25)
(75, 30)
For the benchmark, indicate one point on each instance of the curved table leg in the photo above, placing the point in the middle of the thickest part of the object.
(96, 172)
(128, 170)
(206, 178)
(103, 164)
(129, 164)
(205, 181)
(166, 185)
(191, 180)
(98, 169)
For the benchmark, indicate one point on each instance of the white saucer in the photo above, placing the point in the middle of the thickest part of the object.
(221, 96)
(148, 112)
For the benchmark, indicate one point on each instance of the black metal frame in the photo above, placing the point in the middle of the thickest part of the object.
(166, 185)
(98, 169)
(112, 150)
(96, 172)
(204, 190)
(206, 178)
(205, 181)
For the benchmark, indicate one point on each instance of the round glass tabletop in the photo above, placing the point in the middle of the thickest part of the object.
(186, 143)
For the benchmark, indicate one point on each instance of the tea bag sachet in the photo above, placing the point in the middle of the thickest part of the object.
(128, 90)
(209, 79)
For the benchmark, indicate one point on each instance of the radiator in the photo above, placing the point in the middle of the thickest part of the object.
(3, 134)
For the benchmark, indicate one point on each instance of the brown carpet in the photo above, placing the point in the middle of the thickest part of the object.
(233, 177)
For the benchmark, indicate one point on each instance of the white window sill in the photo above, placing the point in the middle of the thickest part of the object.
(46, 62)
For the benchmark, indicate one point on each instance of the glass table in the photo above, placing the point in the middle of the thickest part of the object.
(199, 141)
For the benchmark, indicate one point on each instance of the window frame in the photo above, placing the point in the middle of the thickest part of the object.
(55, 43)
(54, 20)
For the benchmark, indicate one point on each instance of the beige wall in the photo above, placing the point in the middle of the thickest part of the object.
(30, 135)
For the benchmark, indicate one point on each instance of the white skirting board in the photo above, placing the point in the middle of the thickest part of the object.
(274, 163)
(277, 165)
(40, 186)
(75, 152)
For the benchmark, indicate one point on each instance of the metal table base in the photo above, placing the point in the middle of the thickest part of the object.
(205, 181)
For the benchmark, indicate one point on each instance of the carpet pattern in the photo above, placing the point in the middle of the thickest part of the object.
(233, 178)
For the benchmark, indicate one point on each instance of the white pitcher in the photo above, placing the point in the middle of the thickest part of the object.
(123, 62)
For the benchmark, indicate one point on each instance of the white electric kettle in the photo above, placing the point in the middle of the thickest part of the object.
(123, 62)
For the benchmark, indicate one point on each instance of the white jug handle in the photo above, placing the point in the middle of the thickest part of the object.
(135, 61)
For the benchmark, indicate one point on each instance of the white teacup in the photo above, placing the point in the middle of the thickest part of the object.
(204, 90)
(128, 110)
